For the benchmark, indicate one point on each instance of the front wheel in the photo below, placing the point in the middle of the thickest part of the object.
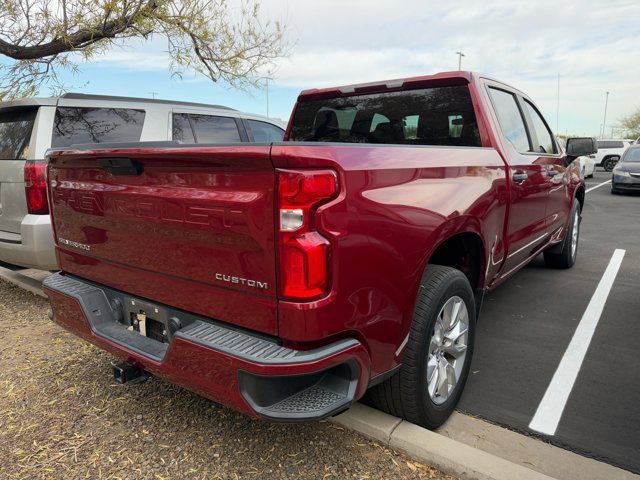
(438, 352)
(564, 255)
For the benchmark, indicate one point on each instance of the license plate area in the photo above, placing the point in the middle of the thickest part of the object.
(148, 319)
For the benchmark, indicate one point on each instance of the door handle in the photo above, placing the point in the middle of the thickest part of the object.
(520, 176)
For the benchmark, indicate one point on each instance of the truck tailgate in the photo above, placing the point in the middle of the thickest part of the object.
(188, 227)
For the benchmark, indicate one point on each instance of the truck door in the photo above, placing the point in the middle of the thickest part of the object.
(526, 227)
(559, 200)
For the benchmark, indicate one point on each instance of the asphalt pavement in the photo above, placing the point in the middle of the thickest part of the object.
(527, 328)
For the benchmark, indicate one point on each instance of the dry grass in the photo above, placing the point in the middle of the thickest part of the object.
(62, 416)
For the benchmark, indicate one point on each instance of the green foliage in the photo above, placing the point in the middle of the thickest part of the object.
(631, 125)
(205, 36)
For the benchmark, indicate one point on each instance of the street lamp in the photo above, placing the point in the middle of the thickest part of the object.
(266, 81)
(604, 121)
(460, 55)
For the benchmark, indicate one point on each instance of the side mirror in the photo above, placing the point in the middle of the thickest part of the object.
(577, 147)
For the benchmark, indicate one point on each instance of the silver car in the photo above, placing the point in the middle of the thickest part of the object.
(29, 127)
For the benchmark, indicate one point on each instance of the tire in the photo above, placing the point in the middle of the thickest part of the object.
(409, 394)
(564, 255)
(609, 163)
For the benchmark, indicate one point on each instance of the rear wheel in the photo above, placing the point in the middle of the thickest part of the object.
(609, 163)
(564, 255)
(438, 352)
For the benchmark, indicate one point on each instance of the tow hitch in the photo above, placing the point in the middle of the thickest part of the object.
(125, 372)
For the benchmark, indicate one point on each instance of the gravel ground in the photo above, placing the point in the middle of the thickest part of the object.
(63, 416)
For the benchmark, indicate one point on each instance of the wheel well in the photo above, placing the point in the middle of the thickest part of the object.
(463, 252)
(580, 197)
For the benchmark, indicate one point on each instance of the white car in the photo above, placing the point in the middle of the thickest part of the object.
(609, 152)
(28, 127)
(587, 166)
(587, 163)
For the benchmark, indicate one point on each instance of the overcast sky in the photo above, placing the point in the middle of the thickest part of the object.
(593, 45)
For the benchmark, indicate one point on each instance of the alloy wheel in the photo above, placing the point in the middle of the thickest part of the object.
(447, 349)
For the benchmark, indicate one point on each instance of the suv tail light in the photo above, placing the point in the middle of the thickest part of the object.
(35, 185)
(304, 252)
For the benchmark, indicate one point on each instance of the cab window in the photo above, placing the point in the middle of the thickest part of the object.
(510, 119)
(545, 139)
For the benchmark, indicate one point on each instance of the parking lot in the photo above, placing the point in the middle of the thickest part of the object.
(528, 323)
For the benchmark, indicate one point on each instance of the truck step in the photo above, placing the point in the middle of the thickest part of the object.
(316, 398)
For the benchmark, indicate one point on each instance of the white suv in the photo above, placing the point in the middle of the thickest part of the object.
(30, 126)
(609, 152)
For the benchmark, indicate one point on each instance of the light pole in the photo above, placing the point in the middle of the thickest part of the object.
(266, 81)
(604, 121)
(460, 55)
(558, 107)
(153, 94)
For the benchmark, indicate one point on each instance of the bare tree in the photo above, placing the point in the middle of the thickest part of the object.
(206, 36)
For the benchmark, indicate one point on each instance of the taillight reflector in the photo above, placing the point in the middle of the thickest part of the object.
(304, 252)
(35, 185)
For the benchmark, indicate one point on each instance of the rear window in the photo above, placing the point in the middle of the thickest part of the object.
(193, 128)
(610, 144)
(78, 125)
(431, 116)
(15, 132)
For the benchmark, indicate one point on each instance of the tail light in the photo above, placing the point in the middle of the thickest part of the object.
(35, 185)
(304, 252)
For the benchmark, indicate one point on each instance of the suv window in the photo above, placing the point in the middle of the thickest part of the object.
(610, 144)
(412, 117)
(78, 125)
(182, 131)
(510, 118)
(15, 132)
(265, 132)
(195, 128)
(545, 139)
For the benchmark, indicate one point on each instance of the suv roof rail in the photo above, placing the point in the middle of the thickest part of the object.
(88, 96)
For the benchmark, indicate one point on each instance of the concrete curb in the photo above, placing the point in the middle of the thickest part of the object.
(27, 283)
(443, 453)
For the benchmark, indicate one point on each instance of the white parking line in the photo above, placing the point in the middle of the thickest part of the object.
(555, 398)
(597, 186)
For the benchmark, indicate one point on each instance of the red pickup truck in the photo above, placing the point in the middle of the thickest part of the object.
(287, 279)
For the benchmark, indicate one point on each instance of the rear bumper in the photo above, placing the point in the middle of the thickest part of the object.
(243, 370)
(34, 247)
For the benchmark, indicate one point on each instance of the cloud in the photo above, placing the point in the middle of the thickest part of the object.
(149, 56)
(592, 45)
